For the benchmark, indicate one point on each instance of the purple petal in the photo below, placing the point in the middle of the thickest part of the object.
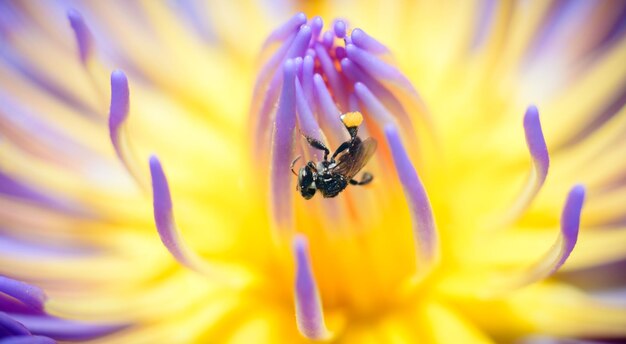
(68, 330)
(309, 311)
(29, 295)
(27, 340)
(11, 327)
(484, 23)
(367, 42)
(82, 34)
(10, 186)
(282, 149)
(424, 229)
(15, 188)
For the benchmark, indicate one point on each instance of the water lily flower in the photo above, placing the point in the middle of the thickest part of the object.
(148, 150)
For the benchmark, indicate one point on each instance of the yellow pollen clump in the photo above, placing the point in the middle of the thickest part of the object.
(352, 119)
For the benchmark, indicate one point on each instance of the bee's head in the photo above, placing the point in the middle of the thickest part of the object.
(306, 182)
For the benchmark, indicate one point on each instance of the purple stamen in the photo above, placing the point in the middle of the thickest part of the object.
(308, 67)
(11, 327)
(536, 143)
(306, 122)
(558, 253)
(376, 67)
(285, 30)
(27, 294)
(353, 102)
(424, 228)
(356, 74)
(367, 42)
(298, 63)
(66, 330)
(340, 28)
(373, 105)
(316, 27)
(570, 223)
(163, 214)
(340, 53)
(329, 110)
(118, 111)
(327, 39)
(540, 165)
(309, 311)
(297, 48)
(27, 340)
(333, 77)
(282, 148)
(164, 220)
(300, 45)
(82, 34)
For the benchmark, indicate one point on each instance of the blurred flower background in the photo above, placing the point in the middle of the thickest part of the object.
(108, 106)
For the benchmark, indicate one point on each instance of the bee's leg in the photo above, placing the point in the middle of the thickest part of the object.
(365, 179)
(348, 144)
(353, 131)
(293, 163)
(318, 145)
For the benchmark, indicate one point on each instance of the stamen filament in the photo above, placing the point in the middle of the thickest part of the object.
(12, 327)
(306, 122)
(285, 30)
(118, 113)
(555, 257)
(82, 34)
(423, 221)
(27, 294)
(66, 330)
(282, 150)
(333, 77)
(329, 110)
(170, 234)
(539, 169)
(367, 42)
(309, 311)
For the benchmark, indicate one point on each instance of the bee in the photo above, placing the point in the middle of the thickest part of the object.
(330, 177)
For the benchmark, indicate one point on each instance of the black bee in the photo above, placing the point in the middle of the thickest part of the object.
(330, 177)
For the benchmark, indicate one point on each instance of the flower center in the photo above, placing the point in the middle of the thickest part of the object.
(311, 91)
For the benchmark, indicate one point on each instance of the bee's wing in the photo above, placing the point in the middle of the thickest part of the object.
(351, 163)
